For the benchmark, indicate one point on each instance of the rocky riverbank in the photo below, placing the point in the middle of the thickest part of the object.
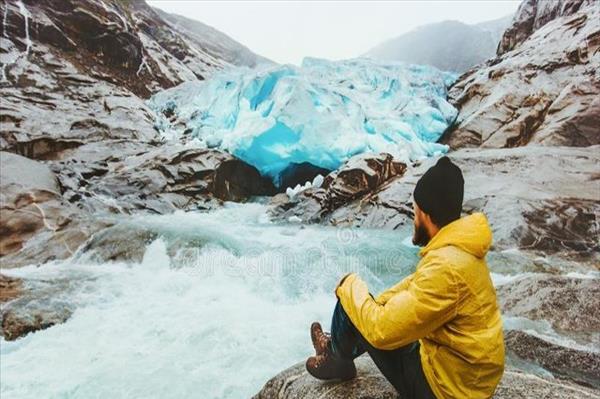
(295, 383)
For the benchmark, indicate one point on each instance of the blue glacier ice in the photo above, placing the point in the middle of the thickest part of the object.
(322, 112)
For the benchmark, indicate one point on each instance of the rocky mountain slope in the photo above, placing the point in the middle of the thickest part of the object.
(543, 87)
(448, 45)
(77, 134)
(213, 41)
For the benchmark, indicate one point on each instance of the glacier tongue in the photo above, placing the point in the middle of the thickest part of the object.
(322, 112)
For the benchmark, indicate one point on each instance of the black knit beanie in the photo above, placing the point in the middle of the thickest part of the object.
(439, 192)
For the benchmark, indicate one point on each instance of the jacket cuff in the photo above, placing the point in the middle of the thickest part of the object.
(348, 279)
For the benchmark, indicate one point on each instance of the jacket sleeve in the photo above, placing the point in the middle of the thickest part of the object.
(428, 301)
(390, 292)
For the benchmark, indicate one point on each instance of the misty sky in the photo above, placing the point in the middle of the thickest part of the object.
(287, 31)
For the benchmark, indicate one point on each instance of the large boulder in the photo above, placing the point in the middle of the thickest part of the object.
(296, 383)
(30, 202)
(543, 87)
(354, 182)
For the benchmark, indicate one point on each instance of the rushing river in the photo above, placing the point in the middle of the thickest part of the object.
(219, 303)
(215, 318)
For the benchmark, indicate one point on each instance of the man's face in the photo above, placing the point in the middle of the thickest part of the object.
(420, 235)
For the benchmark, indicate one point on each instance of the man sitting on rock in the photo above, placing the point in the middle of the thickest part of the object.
(438, 332)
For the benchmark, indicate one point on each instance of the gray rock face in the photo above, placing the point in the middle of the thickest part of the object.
(582, 367)
(538, 199)
(532, 15)
(570, 305)
(160, 180)
(295, 383)
(126, 43)
(543, 87)
(77, 74)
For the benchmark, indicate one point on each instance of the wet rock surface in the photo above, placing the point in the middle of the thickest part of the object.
(580, 366)
(543, 87)
(30, 202)
(161, 180)
(295, 382)
(570, 305)
(38, 306)
(10, 288)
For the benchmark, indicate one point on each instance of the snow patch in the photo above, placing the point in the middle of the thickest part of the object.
(143, 64)
(25, 13)
(4, 20)
(111, 10)
(317, 181)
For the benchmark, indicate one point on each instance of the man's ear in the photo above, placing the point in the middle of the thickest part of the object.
(416, 210)
(426, 220)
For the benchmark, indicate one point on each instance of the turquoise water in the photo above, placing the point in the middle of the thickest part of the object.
(220, 303)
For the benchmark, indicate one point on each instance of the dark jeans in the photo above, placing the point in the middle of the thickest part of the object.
(401, 367)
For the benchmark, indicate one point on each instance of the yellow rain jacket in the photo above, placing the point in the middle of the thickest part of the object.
(448, 304)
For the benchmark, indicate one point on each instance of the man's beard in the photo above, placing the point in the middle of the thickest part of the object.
(420, 236)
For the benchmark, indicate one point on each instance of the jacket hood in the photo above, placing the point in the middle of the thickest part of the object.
(471, 233)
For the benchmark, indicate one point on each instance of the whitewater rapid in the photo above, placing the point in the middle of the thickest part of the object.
(215, 318)
(220, 303)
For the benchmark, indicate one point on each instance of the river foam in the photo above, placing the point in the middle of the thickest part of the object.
(214, 322)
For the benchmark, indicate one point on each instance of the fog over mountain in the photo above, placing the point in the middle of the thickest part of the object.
(447, 45)
(216, 42)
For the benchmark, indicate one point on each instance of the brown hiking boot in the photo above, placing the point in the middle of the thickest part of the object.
(324, 365)
(329, 367)
(320, 340)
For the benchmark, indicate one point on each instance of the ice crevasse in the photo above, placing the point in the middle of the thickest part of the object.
(322, 112)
